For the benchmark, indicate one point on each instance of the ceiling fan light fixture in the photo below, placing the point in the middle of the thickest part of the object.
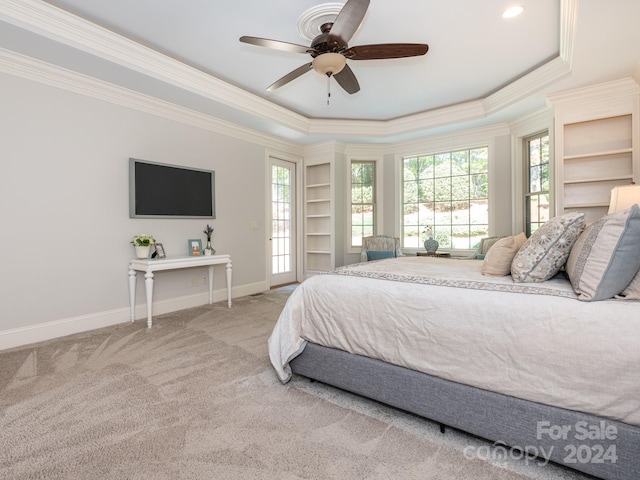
(329, 63)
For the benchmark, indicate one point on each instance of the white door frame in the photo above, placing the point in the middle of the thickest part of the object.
(297, 200)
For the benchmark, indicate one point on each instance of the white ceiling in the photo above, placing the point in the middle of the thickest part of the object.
(480, 68)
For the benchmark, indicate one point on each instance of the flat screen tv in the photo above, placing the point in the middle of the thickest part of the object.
(170, 191)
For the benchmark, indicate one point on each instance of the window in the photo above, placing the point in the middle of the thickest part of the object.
(446, 193)
(536, 200)
(362, 201)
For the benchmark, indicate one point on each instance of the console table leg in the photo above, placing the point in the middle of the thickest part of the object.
(132, 293)
(148, 283)
(229, 283)
(210, 284)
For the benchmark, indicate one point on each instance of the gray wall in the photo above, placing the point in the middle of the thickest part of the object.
(64, 247)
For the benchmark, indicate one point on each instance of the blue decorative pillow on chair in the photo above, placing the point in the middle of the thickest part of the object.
(380, 254)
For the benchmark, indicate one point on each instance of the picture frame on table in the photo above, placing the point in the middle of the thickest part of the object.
(159, 253)
(195, 247)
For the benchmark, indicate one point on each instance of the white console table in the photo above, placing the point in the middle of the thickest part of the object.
(153, 265)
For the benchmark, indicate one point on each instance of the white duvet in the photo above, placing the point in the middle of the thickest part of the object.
(443, 317)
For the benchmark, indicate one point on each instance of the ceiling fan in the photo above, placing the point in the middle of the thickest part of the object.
(330, 49)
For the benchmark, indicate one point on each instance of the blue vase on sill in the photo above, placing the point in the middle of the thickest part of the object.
(431, 245)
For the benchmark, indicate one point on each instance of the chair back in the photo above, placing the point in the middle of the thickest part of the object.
(380, 243)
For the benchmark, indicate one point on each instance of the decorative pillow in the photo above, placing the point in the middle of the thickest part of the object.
(606, 257)
(547, 249)
(380, 254)
(498, 259)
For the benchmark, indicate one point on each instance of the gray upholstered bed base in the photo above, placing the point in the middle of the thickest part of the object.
(499, 418)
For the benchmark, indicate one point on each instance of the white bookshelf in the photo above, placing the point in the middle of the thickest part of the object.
(596, 146)
(318, 216)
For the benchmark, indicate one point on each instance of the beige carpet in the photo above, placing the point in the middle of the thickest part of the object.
(195, 398)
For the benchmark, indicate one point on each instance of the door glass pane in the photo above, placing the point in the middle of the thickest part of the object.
(281, 219)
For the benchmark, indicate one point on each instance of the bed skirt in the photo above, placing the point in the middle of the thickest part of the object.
(605, 448)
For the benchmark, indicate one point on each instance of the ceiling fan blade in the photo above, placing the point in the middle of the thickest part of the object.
(347, 22)
(290, 76)
(347, 80)
(386, 50)
(277, 44)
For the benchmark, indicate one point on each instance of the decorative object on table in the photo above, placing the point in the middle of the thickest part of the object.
(195, 247)
(159, 253)
(430, 244)
(208, 249)
(142, 245)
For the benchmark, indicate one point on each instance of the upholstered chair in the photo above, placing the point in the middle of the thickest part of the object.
(485, 244)
(377, 247)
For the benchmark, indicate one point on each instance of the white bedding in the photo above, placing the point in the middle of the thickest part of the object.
(443, 317)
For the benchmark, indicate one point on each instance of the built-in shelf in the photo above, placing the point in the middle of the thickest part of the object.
(578, 206)
(595, 156)
(596, 145)
(318, 218)
(598, 154)
(607, 179)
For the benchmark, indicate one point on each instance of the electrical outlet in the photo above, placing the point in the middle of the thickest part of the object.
(254, 224)
(194, 282)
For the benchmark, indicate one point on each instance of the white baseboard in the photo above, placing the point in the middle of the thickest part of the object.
(40, 332)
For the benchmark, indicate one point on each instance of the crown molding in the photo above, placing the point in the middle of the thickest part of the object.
(618, 97)
(466, 138)
(412, 123)
(568, 25)
(602, 92)
(365, 151)
(536, 80)
(539, 120)
(61, 26)
(437, 118)
(546, 74)
(25, 67)
(322, 150)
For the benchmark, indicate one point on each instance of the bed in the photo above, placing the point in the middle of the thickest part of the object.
(525, 365)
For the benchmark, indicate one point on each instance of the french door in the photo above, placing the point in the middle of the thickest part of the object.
(283, 222)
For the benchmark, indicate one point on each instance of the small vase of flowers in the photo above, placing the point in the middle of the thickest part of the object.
(209, 250)
(430, 244)
(142, 244)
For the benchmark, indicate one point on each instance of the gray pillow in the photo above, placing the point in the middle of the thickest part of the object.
(547, 249)
(606, 257)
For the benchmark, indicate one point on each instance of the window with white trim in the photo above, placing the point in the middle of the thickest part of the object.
(447, 194)
(536, 195)
(363, 196)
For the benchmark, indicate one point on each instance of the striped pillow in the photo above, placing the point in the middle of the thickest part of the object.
(606, 257)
